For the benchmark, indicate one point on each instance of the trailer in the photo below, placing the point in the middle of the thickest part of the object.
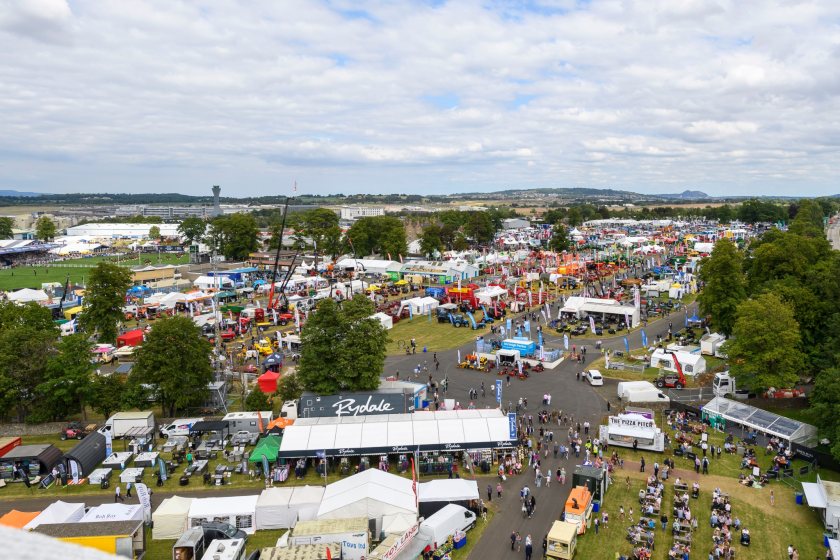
(352, 533)
(122, 423)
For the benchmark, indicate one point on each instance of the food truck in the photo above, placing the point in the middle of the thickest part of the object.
(579, 508)
(562, 540)
(625, 430)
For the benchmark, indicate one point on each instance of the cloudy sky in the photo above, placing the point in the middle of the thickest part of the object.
(726, 96)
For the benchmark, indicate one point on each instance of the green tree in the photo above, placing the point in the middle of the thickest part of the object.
(724, 285)
(45, 228)
(383, 235)
(479, 227)
(574, 217)
(257, 400)
(560, 240)
(289, 387)
(765, 348)
(343, 348)
(27, 341)
(154, 232)
(809, 219)
(6, 225)
(175, 358)
(69, 377)
(430, 241)
(235, 236)
(104, 300)
(107, 394)
(825, 407)
(321, 225)
(192, 229)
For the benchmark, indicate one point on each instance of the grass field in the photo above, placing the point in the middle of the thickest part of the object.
(433, 335)
(76, 269)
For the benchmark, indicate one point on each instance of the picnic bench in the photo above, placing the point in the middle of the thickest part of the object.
(681, 486)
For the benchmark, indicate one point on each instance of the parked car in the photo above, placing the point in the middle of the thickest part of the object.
(593, 376)
(218, 530)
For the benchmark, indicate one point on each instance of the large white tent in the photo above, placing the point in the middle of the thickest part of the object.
(113, 512)
(448, 490)
(386, 320)
(420, 305)
(273, 511)
(305, 501)
(239, 511)
(57, 512)
(26, 295)
(170, 518)
(372, 494)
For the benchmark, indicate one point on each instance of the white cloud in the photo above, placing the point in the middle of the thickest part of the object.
(729, 96)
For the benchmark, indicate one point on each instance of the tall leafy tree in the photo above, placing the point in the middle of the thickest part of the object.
(27, 340)
(725, 286)
(765, 349)
(45, 228)
(104, 299)
(825, 407)
(154, 232)
(175, 358)
(235, 235)
(321, 225)
(430, 240)
(383, 235)
(479, 227)
(192, 229)
(560, 240)
(343, 348)
(809, 219)
(68, 377)
(6, 225)
(107, 394)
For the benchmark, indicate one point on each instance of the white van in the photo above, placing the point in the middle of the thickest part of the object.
(179, 427)
(443, 524)
(225, 549)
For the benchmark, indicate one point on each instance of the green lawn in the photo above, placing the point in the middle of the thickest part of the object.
(433, 335)
(33, 277)
(772, 528)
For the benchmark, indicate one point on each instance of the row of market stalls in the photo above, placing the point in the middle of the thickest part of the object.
(388, 501)
(442, 431)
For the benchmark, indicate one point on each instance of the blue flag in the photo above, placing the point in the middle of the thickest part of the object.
(566, 341)
(626, 345)
(509, 326)
(686, 319)
(527, 326)
(644, 338)
(539, 339)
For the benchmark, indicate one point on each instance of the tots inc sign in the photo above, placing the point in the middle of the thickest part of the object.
(632, 421)
(353, 407)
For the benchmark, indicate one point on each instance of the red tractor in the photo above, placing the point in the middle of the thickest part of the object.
(672, 380)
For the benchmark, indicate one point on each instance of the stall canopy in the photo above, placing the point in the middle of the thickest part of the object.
(130, 338)
(239, 511)
(268, 447)
(206, 426)
(305, 501)
(267, 382)
(113, 512)
(448, 490)
(761, 420)
(27, 295)
(45, 455)
(386, 320)
(18, 519)
(8, 443)
(273, 511)
(371, 493)
(448, 431)
(169, 521)
(87, 454)
(57, 512)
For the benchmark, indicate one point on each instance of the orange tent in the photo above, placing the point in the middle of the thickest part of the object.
(18, 519)
(278, 424)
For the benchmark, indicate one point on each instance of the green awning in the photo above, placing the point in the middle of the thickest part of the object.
(222, 295)
(232, 309)
(268, 446)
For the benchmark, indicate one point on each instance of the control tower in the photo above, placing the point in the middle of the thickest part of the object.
(217, 210)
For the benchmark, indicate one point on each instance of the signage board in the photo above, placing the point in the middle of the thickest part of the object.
(498, 390)
(512, 425)
(355, 404)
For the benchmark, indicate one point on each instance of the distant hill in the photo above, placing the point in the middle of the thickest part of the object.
(686, 195)
(19, 193)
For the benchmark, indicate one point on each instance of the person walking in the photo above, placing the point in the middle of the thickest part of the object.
(772, 499)
(499, 490)
(514, 536)
(128, 490)
(117, 495)
(489, 493)
(529, 547)
(548, 478)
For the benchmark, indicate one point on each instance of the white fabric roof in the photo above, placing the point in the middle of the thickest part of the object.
(57, 512)
(451, 429)
(485, 295)
(370, 494)
(225, 506)
(814, 495)
(448, 490)
(27, 294)
(113, 512)
(170, 518)
(385, 319)
(305, 501)
(273, 511)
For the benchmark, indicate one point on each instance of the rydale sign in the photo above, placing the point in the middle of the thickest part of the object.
(350, 407)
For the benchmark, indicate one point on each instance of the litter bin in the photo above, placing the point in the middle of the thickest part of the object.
(799, 497)
(596, 506)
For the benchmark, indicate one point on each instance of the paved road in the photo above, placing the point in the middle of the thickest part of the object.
(833, 234)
